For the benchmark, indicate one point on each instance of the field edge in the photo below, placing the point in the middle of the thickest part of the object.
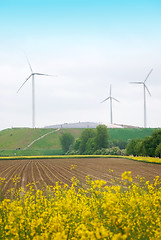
(140, 159)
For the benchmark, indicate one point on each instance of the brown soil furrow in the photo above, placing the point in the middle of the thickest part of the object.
(23, 181)
(33, 173)
(49, 179)
(10, 176)
(45, 172)
(40, 178)
(27, 175)
(79, 174)
(62, 172)
(9, 168)
(64, 168)
(94, 173)
(52, 174)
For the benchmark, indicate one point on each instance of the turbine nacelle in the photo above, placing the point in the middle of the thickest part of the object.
(110, 98)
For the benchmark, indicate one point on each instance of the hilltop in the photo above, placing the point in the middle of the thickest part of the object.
(87, 125)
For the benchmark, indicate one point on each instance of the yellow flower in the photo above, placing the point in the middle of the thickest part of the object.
(72, 167)
(119, 236)
(127, 176)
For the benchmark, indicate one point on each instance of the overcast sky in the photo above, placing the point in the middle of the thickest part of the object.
(89, 44)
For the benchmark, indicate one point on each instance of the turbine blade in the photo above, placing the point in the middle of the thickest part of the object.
(136, 82)
(148, 75)
(110, 89)
(29, 64)
(115, 99)
(24, 82)
(147, 90)
(43, 74)
(105, 100)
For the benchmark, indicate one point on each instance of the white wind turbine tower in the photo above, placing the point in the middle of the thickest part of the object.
(33, 90)
(145, 88)
(110, 98)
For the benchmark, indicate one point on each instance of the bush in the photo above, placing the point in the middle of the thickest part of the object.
(110, 151)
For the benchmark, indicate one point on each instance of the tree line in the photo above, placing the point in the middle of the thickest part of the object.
(149, 146)
(96, 141)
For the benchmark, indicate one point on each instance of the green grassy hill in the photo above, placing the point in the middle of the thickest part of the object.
(19, 138)
(13, 141)
(129, 133)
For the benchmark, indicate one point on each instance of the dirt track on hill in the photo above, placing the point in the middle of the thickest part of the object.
(44, 172)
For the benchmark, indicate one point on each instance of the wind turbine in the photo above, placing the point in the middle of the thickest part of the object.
(110, 98)
(145, 88)
(32, 75)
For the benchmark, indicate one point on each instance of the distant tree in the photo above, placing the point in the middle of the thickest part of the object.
(156, 136)
(130, 148)
(150, 143)
(85, 136)
(149, 147)
(101, 139)
(77, 144)
(66, 140)
(139, 148)
(90, 146)
(158, 151)
(118, 143)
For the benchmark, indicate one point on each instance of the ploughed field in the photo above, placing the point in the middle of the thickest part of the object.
(43, 172)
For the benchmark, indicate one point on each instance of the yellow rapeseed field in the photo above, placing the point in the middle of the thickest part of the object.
(126, 210)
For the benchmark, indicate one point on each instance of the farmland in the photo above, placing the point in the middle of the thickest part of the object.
(92, 207)
(43, 172)
(76, 197)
